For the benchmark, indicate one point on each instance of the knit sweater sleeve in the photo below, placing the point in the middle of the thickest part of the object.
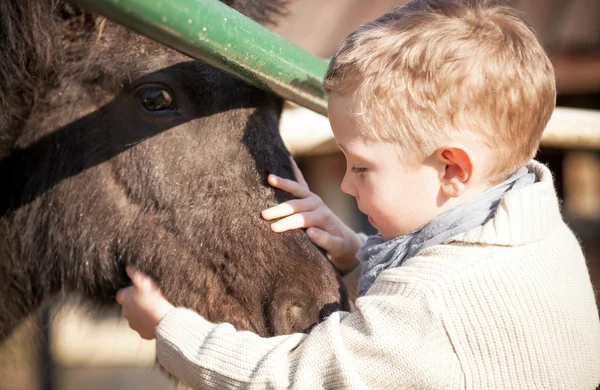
(394, 339)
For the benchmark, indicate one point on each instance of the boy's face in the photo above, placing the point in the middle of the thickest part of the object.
(397, 197)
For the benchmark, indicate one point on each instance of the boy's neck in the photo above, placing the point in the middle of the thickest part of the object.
(471, 193)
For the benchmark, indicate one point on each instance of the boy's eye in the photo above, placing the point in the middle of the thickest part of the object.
(358, 170)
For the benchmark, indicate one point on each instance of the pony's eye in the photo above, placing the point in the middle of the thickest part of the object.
(156, 99)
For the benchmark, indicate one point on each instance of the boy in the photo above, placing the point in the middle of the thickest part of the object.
(474, 280)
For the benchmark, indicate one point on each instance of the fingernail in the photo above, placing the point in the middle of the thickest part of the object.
(275, 228)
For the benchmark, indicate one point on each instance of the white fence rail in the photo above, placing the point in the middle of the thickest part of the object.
(307, 133)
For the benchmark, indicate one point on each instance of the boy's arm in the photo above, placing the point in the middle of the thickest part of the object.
(351, 280)
(394, 339)
(352, 277)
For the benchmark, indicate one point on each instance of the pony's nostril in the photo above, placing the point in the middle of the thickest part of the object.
(294, 317)
(297, 310)
(290, 316)
(328, 309)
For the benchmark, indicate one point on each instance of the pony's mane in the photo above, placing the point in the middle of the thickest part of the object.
(29, 56)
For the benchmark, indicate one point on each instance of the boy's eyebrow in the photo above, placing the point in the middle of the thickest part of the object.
(350, 153)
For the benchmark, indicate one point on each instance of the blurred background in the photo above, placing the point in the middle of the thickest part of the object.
(68, 348)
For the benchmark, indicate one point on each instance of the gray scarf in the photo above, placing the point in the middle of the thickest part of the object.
(377, 255)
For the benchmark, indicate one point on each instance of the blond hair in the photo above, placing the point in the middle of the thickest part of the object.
(434, 67)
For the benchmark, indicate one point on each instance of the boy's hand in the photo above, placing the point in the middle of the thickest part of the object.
(324, 228)
(143, 305)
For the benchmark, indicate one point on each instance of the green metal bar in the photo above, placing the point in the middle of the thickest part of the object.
(212, 32)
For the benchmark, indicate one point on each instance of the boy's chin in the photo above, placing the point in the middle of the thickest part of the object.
(374, 224)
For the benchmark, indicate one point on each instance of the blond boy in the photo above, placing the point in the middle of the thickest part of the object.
(474, 280)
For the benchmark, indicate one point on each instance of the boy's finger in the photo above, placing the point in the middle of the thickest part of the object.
(136, 276)
(298, 173)
(295, 221)
(293, 187)
(130, 271)
(288, 208)
(323, 239)
(123, 295)
(145, 282)
(140, 280)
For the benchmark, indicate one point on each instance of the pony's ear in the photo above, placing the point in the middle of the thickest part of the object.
(262, 11)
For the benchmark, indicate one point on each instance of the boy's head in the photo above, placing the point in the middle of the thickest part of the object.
(437, 71)
(434, 102)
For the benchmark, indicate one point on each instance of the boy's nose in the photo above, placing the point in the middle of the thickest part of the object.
(346, 186)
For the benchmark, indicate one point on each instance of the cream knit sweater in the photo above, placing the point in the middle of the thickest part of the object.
(508, 305)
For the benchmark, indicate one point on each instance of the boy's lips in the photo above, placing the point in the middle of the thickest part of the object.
(369, 218)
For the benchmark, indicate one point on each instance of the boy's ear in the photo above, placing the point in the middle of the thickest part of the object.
(457, 167)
